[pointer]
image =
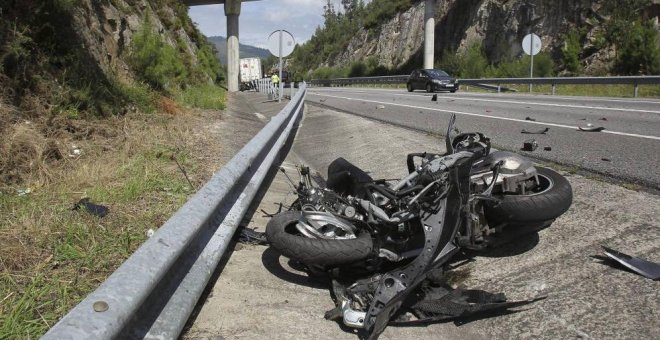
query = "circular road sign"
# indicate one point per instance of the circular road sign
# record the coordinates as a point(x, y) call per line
point(531, 44)
point(288, 43)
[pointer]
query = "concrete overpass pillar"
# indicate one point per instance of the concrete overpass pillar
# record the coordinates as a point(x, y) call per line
point(232, 11)
point(429, 33)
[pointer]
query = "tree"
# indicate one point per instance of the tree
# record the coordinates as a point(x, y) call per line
point(571, 52)
point(639, 52)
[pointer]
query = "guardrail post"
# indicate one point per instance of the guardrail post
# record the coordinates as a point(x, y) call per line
point(554, 88)
point(291, 85)
point(499, 89)
point(636, 90)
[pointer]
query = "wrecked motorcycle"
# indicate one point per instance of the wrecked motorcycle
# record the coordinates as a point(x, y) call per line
point(386, 245)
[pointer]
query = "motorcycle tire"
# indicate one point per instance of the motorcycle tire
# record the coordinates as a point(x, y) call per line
point(282, 235)
point(552, 201)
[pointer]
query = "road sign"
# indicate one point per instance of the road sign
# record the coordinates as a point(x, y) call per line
point(288, 43)
point(531, 44)
point(281, 44)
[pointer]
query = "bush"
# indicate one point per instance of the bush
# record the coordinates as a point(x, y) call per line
point(154, 60)
point(639, 51)
point(203, 97)
point(571, 52)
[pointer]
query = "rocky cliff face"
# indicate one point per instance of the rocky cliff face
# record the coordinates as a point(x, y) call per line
point(67, 49)
point(105, 30)
point(499, 25)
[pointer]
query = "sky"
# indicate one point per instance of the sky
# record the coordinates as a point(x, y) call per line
point(259, 18)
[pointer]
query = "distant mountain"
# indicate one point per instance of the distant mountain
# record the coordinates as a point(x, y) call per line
point(246, 51)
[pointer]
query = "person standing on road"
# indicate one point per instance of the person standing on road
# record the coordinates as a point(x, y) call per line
point(275, 80)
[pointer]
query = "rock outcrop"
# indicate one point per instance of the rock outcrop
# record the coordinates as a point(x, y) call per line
point(499, 25)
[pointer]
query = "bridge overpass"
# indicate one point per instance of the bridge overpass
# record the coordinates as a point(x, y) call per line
point(232, 11)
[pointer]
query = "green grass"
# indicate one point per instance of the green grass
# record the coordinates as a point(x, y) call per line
point(52, 257)
point(647, 91)
point(203, 97)
point(652, 91)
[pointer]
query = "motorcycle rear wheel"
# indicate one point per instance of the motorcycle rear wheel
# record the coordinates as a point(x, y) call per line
point(549, 201)
point(282, 234)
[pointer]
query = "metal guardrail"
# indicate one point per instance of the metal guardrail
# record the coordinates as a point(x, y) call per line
point(153, 293)
point(554, 81)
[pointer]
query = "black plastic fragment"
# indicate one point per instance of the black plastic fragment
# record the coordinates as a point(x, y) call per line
point(530, 145)
point(648, 269)
point(252, 236)
point(94, 209)
point(535, 132)
point(433, 303)
point(530, 119)
point(434, 98)
point(547, 148)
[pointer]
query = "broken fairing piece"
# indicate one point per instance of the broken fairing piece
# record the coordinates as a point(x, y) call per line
point(537, 132)
point(645, 268)
point(591, 129)
point(94, 209)
point(530, 119)
point(434, 303)
point(434, 98)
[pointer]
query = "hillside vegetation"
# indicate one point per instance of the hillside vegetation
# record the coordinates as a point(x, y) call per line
point(617, 37)
point(96, 101)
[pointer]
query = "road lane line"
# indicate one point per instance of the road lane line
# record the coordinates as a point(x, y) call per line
point(522, 95)
point(487, 116)
point(533, 103)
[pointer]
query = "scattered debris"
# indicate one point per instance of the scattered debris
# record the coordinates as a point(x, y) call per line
point(648, 269)
point(380, 106)
point(530, 119)
point(252, 236)
point(75, 152)
point(94, 209)
point(530, 145)
point(23, 192)
point(605, 159)
point(547, 148)
point(150, 232)
point(322, 100)
point(279, 210)
point(591, 129)
point(603, 118)
point(434, 98)
point(489, 111)
point(535, 132)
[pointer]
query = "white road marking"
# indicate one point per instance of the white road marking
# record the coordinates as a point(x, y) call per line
point(487, 116)
point(522, 95)
point(455, 97)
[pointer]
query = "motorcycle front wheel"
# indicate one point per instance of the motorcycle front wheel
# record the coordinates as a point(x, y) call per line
point(282, 235)
point(552, 197)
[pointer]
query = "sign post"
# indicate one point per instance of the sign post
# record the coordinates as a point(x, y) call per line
point(532, 46)
point(281, 45)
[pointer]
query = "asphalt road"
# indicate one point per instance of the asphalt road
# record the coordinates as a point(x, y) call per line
point(259, 294)
point(628, 149)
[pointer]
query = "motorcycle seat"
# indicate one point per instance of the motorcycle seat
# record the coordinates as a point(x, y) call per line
point(345, 178)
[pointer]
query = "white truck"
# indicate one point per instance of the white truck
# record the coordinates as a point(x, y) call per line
point(250, 69)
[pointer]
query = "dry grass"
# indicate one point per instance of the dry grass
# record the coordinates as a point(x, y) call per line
point(52, 256)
